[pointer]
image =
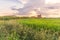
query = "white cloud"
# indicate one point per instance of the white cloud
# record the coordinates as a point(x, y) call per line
point(31, 5)
point(23, 1)
point(52, 1)
point(5, 6)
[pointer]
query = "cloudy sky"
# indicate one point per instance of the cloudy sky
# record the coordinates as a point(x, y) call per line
point(28, 6)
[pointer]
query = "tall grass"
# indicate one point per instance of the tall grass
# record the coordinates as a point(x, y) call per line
point(49, 28)
point(30, 29)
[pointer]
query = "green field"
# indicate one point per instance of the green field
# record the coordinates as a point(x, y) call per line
point(41, 23)
point(30, 29)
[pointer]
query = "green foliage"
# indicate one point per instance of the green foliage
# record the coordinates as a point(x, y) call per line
point(8, 17)
point(49, 28)
point(30, 29)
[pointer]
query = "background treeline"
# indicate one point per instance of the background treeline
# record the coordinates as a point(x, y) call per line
point(8, 17)
point(13, 17)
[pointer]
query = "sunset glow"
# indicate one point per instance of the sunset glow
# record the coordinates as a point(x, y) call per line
point(25, 6)
point(52, 1)
point(33, 13)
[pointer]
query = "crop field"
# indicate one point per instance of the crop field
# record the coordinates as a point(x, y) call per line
point(30, 29)
point(41, 23)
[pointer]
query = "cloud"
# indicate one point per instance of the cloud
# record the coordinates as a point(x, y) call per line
point(5, 6)
point(23, 1)
point(53, 6)
point(30, 5)
point(52, 10)
point(52, 1)
point(8, 3)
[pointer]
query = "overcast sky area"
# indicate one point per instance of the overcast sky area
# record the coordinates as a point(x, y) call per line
point(48, 8)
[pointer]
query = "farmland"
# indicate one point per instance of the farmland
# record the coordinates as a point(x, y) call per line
point(30, 29)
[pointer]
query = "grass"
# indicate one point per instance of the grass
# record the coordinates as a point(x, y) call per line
point(30, 29)
point(44, 23)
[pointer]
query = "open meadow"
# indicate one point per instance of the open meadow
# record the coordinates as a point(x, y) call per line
point(30, 29)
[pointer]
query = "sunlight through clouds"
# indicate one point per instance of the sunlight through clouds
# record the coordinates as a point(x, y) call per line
point(25, 6)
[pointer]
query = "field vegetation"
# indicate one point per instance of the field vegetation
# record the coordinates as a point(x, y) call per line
point(16, 28)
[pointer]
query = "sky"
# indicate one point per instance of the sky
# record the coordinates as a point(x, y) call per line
point(52, 1)
point(5, 6)
point(27, 7)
